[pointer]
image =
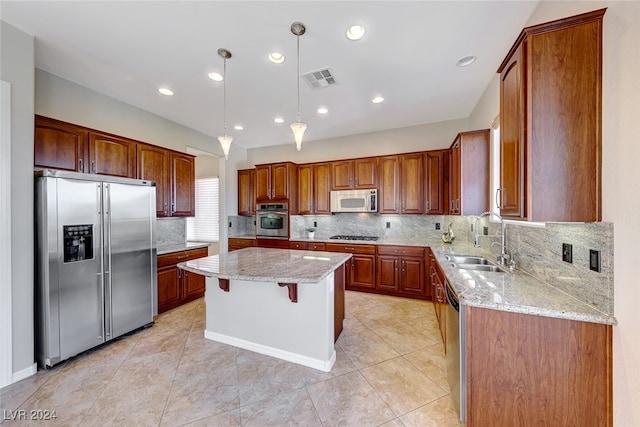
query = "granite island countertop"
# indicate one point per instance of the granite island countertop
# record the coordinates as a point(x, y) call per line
point(268, 265)
point(517, 291)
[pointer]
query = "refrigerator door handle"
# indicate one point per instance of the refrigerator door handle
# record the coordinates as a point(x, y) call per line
point(101, 308)
point(107, 270)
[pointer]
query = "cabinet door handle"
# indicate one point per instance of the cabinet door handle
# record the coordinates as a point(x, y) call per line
point(179, 274)
point(183, 256)
point(80, 165)
point(356, 181)
point(498, 197)
point(428, 205)
point(93, 166)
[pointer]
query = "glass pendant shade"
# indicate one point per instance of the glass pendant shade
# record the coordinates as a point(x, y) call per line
point(225, 142)
point(298, 129)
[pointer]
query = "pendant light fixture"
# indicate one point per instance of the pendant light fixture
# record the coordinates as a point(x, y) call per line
point(225, 140)
point(298, 128)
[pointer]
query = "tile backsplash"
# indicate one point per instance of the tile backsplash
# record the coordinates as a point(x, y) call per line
point(171, 231)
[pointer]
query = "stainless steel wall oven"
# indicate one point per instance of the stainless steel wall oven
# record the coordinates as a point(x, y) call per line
point(272, 220)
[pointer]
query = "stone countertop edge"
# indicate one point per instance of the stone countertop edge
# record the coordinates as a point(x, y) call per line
point(268, 265)
point(179, 247)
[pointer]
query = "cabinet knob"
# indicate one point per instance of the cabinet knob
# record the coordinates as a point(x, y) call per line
point(80, 165)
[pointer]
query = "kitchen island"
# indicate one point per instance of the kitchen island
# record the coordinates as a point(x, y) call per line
point(278, 302)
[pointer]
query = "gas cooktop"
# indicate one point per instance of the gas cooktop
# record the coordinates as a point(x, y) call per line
point(347, 237)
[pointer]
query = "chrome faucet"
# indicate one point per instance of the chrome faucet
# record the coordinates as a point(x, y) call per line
point(504, 253)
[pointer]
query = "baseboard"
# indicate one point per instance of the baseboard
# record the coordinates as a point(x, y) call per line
point(322, 365)
point(25, 373)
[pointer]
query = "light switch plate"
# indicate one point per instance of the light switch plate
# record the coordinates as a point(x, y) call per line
point(594, 260)
point(567, 252)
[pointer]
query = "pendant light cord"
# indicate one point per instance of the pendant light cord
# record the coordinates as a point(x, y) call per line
point(298, 76)
point(224, 96)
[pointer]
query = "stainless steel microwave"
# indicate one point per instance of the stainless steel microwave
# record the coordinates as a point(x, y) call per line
point(354, 201)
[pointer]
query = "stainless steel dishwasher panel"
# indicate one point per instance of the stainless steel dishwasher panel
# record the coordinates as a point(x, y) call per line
point(456, 351)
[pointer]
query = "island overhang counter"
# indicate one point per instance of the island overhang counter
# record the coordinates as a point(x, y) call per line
point(279, 302)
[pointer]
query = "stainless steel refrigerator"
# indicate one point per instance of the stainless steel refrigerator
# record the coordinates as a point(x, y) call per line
point(96, 261)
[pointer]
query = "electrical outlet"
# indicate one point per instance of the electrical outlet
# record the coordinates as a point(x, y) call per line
point(472, 227)
point(485, 231)
point(567, 252)
point(315, 224)
point(229, 224)
point(594, 260)
point(437, 226)
point(388, 224)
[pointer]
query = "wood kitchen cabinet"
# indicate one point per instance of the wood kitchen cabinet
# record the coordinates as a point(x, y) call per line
point(246, 192)
point(361, 268)
point(354, 174)
point(176, 286)
point(236, 243)
point(183, 184)
point(112, 155)
point(314, 188)
point(153, 165)
point(469, 173)
point(400, 270)
point(401, 184)
point(278, 181)
point(551, 114)
point(435, 183)
point(536, 370)
point(309, 246)
point(60, 145)
point(438, 295)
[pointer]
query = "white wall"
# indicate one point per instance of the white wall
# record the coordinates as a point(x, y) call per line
point(620, 177)
point(415, 138)
point(17, 68)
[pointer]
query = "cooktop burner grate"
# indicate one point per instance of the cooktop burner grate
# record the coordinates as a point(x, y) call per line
point(347, 237)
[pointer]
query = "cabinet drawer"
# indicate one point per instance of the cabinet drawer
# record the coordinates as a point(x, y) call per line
point(240, 243)
point(176, 257)
point(297, 245)
point(316, 246)
point(353, 249)
point(401, 250)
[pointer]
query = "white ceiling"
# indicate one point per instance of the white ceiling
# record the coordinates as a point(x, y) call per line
point(126, 50)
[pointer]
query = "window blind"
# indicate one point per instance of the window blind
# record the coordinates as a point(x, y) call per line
point(205, 225)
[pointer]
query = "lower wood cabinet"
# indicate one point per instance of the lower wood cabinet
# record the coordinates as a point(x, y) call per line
point(176, 286)
point(236, 243)
point(438, 295)
point(534, 370)
point(401, 270)
point(309, 246)
point(361, 268)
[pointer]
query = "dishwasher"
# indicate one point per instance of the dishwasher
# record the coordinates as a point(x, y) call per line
point(456, 351)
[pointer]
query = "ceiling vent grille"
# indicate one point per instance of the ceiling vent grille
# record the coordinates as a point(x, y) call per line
point(319, 79)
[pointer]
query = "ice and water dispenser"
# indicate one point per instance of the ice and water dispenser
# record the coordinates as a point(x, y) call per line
point(78, 242)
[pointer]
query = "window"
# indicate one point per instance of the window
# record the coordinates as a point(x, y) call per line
point(495, 165)
point(204, 227)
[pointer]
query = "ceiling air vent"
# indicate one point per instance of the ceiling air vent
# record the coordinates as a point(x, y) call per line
point(319, 79)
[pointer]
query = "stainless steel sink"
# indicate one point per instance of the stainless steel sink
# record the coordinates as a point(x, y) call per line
point(466, 259)
point(480, 267)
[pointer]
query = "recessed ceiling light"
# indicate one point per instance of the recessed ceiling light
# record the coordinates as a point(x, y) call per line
point(216, 77)
point(276, 57)
point(238, 127)
point(467, 60)
point(278, 119)
point(165, 91)
point(322, 110)
point(377, 100)
point(355, 32)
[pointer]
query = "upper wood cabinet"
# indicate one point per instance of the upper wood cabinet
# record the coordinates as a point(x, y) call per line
point(246, 192)
point(277, 181)
point(355, 174)
point(314, 188)
point(112, 155)
point(550, 130)
point(60, 145)
point(153, 165)
point(183, 189)
point(469, 173)
point(435, 189)
point(401, 184)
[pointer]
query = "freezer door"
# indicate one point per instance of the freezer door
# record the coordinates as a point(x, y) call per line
point(130, 270)
point(79, 265)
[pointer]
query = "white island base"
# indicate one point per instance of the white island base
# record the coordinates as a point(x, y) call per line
point(261, 317)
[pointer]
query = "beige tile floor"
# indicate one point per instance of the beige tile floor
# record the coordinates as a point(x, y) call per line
point(390, 371)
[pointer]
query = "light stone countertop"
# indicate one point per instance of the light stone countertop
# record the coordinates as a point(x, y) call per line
point(517, 292)
point(269, 265)
point(167, 249)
